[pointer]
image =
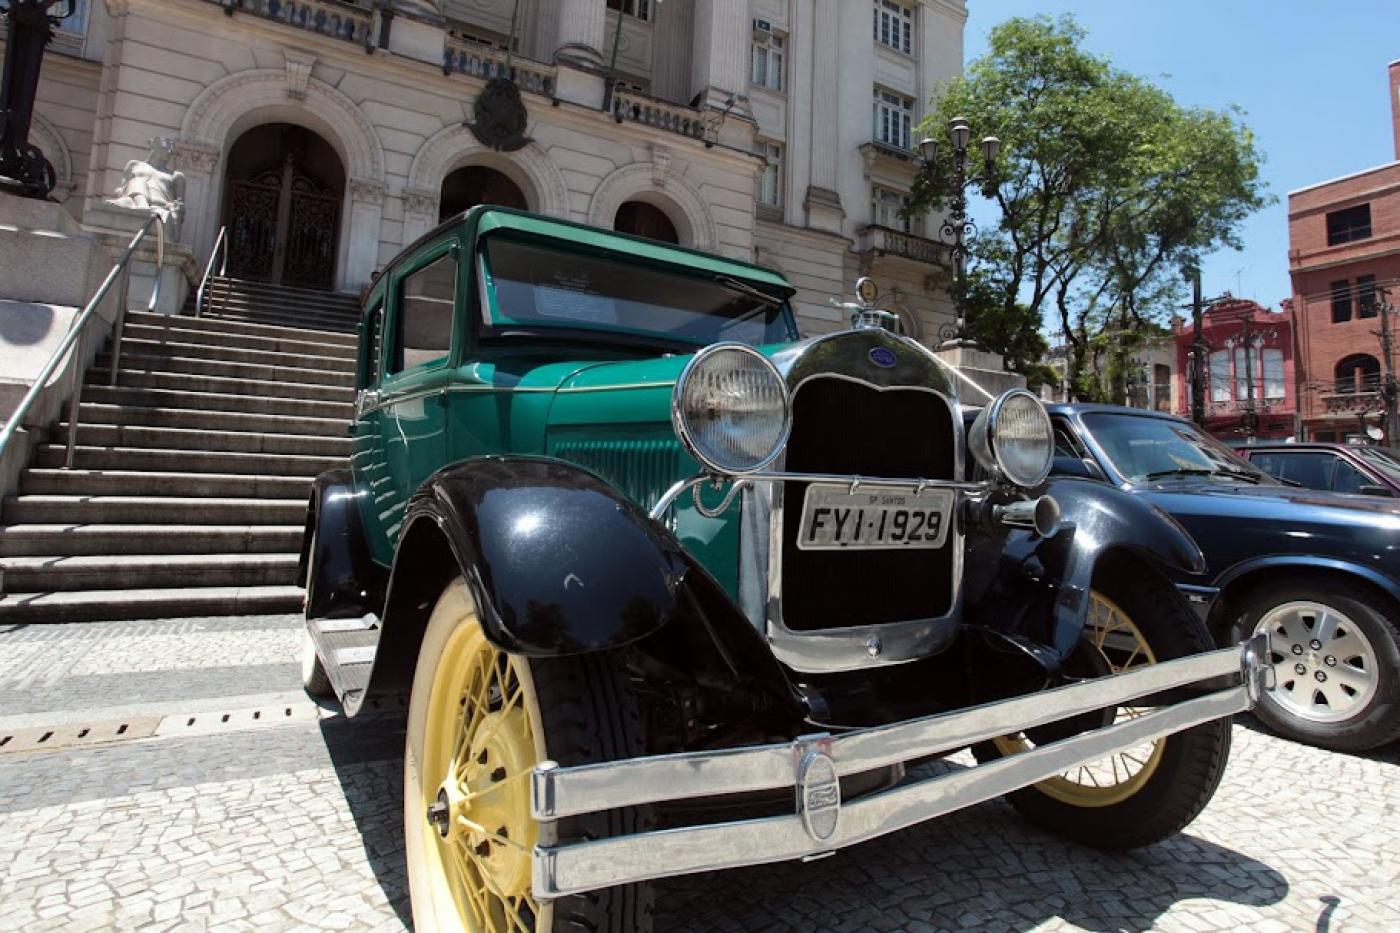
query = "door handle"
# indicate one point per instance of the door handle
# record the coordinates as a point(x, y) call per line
point(365, 399)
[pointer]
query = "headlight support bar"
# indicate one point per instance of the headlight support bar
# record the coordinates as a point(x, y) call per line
point(677, 489)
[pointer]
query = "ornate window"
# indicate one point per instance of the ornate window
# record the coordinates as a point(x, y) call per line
point(766, 57)
point(894, 25)
point(894, 114)
point(769, 187)
point(889, 208)
point(1358, 373)
point(1273, 375)
point(1220, 376)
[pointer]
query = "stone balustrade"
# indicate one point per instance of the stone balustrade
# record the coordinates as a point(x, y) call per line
point(887, 241)
point(673, 118)
point(351, 22)
point(479, 61)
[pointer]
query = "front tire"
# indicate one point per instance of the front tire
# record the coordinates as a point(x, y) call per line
point(1336, 663)
point(479, 720)
point(1140, 795)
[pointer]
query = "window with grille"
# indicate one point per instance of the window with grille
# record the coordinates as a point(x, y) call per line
point(1273, 374)
point(641, 9)
point(766, 59)
point(890, 208)
point(1351, 223)
point(1359, 372)
point(1341, 301)
point(894, 26)
point(1161, 387)
point(769, 186)
point(894, 114)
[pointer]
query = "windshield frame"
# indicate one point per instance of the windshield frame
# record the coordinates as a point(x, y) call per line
point(1089, 433)
point(493, 324)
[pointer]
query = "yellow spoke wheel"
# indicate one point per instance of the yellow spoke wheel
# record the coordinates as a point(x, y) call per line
point(1114, 779)
point(475, 735)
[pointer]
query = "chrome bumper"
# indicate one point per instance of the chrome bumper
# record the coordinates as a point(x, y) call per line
point(812, 765)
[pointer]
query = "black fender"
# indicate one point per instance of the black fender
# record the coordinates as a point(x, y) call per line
point(341, 579)
point(1037, 588)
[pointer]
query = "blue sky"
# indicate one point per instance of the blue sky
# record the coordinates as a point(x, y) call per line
point(1310, 76)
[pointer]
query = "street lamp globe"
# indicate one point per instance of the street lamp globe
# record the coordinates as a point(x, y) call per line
point(991, 147)
point(928, 149)
point(959, 133)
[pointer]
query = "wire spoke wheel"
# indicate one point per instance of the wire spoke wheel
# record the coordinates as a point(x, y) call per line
point(1114, 779)
point(481, 739)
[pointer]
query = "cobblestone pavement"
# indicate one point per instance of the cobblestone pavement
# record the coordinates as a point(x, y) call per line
point(295, 824)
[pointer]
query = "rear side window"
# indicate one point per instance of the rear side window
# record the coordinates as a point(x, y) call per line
point(426, 300)
point(370, 345)
point(1348, 478)
point(1312, 469)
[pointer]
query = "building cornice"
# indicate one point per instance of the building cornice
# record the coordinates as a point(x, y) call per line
point(1333, 181)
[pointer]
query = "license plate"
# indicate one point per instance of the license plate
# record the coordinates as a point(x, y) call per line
point(873, 517)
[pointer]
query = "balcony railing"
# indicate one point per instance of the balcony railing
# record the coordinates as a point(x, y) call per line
point(887, 241)
point(1366, 400)
point(663, 115)
point(351, 22)
point(479, 61)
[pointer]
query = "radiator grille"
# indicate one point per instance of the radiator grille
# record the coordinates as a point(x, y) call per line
point(840, 426)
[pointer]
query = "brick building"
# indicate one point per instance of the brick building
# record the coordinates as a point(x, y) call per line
point(1343, 254)
point(1250, 368)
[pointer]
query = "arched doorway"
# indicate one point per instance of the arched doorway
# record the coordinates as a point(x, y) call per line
point(477, 184)
point(648, 220)
point(282, 198)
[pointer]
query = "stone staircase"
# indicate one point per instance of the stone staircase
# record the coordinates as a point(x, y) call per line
point(191, 476)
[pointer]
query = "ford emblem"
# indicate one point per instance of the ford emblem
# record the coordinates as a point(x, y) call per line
point(819, 795)
point(883, 357)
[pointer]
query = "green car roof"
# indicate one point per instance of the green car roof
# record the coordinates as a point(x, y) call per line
point(483, 220)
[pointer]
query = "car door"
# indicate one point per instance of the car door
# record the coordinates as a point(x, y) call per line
point(369, 465)
point(418, 345)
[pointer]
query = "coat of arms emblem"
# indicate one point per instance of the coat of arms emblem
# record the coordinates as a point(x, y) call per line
point(500, 116)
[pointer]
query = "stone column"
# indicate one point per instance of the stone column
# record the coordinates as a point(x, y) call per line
point(720, 54)
point(200, 162)
point(420, 210)
point(823, 201)
point(360, 251)
point(580, 37)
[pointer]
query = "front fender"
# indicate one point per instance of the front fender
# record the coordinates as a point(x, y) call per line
point(559, 562)
point(1037, 588)
point(342, 581)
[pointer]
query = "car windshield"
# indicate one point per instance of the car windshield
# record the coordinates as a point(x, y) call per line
point(1382, 459)
point(534, 285)
point(1155, 448)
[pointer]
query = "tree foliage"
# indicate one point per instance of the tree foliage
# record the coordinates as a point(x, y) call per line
point(1106, 187)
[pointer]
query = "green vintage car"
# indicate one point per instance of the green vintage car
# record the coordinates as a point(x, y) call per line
point(673, 590)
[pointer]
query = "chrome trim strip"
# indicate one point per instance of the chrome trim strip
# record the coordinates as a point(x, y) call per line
point(585, 866)
point(586, 788)
point(674, 492)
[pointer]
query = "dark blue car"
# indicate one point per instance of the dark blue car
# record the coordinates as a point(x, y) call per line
point(1319, 571)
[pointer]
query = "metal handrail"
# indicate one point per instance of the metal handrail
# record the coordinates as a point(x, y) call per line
point(220, 246)
point(77, 334)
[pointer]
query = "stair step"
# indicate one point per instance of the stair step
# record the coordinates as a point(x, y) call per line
point(340, 412)
point(101, 413)
point(184, 510)
point(142, 347)
point(139, 363)
point(186, 439)
point(105, 605)
point(38, 482)
point(273, 317)
point(188, 330)
point(234, 283)
point(65, 539)
point(233, 327)
point(187, 382)
point(188, 461)
point(144, 571)
point(219, 298)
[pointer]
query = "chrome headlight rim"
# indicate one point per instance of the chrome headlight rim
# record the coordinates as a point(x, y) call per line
point(683, 431)
point(983, 443)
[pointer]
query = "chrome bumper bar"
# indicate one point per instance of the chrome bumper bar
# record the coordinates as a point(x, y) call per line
point(812, 765)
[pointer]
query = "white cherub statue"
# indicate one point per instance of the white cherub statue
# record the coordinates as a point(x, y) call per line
point(147, 185)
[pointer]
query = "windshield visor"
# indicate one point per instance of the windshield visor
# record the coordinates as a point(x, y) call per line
point(1140, 448)
point(539, 286)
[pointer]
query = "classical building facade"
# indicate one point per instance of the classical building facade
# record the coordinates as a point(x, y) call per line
point(324, 136)
point(1344, 258)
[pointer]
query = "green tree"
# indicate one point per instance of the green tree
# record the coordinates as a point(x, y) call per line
point(1105, 187)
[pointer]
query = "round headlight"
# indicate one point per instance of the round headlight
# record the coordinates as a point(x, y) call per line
point(731, 408)
point(1013, 437)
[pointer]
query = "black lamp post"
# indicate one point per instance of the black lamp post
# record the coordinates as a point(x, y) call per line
point(29, 26)
point(957, 227)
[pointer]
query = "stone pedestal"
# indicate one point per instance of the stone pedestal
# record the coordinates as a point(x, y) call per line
point(983, 374)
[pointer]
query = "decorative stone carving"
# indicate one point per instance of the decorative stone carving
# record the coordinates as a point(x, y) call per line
point(149, 185)
point(298, 73)
point(660, 164)
point(500, 116)
point(195, 158)
point(420, 201)
point(367, 190)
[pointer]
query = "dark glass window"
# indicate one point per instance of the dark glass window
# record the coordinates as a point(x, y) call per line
point(1359, 372)
point(1309, 468)
point(426, 300)
point(1347, 478)
point(1341, 301)
point(374, 334)
point(1351, 223)
point(1366, 296)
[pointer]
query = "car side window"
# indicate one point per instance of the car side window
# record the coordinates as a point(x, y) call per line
point(423, 329)
point(1064, 447)
point(370, 346)
point(1312, 469)
point(1347, 478)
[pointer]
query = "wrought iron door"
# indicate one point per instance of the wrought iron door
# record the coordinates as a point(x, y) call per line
point(282, 228)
